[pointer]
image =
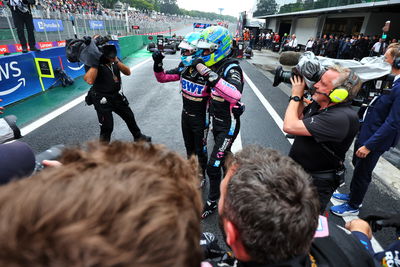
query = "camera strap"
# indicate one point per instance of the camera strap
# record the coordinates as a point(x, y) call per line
point(330, 151)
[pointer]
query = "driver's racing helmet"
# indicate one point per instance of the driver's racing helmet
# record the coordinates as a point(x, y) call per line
point(189, 43)
point(218, 40)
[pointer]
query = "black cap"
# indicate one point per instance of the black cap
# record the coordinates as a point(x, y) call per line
point(17, 160)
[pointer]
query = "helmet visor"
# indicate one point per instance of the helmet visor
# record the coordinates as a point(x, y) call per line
point(206, 45)
point(185, 45)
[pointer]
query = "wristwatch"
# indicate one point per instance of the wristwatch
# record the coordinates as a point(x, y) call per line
point(295, 98)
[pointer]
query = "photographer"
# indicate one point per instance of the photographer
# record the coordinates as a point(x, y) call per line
point(379, 132)
point(324, 129)
point(104, 73)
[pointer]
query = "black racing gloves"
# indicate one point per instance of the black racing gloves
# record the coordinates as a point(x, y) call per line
point(158, 58)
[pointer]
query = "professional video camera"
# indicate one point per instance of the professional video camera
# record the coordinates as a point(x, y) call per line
point(89, 50)
point(373, 71)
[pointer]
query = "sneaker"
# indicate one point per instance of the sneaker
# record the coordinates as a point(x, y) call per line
point(25, 50)
point(144, 138)
point(344, 210)
point(342, 198)
point(209, 208)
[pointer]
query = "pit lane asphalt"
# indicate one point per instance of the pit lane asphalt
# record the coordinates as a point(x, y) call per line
point(157, 108)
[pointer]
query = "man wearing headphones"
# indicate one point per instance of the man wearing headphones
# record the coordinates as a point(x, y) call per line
point(324, 129)
point(379, 132)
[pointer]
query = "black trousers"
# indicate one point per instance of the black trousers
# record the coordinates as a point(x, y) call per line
point(362, 175)
point(22, 20)
point(104, 113)
point(195, 132)
point(225, 132)
point(326, 183)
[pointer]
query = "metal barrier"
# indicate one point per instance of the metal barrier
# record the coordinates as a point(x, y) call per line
point(119, 24)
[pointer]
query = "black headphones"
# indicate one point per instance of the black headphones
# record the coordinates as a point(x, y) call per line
point(396, 61)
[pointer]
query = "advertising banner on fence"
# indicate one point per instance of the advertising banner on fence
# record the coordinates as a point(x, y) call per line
point(201, 25)
point(48, 25)
point(96, 24)
point(18, 78)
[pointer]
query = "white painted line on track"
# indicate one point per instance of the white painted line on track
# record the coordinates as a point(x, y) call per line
point(275, 116)
point(140, 64)
point(54, 114)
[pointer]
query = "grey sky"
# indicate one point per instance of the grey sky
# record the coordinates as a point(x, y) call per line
point(231, 7)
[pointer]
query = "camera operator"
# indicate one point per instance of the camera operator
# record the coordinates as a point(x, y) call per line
point(325, 128)
point(104, 74)
point(379, 132)
point(269, 217)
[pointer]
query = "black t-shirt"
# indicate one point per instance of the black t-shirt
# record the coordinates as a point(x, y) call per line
point(108, 80)
point(335, 126)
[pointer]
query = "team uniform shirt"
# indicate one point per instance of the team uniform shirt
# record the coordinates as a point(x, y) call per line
point(335, 126)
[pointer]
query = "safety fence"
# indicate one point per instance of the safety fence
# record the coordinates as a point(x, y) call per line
point(53, 27)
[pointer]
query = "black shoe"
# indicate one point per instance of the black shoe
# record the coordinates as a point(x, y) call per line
point(144, 138)
point(25, 50)
point(209, 208)
point(34, 49)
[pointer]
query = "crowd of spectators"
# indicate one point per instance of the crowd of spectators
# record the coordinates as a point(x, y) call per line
point(72, 6)
point(153, 17)
point(349, 47)
point(332, 46)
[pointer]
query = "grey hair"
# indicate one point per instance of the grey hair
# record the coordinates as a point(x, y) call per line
point(343, 80)
point(273, 204)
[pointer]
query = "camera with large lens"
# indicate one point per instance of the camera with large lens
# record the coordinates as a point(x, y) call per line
point(308, 66)
point(88, 48)
point(373, 71)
